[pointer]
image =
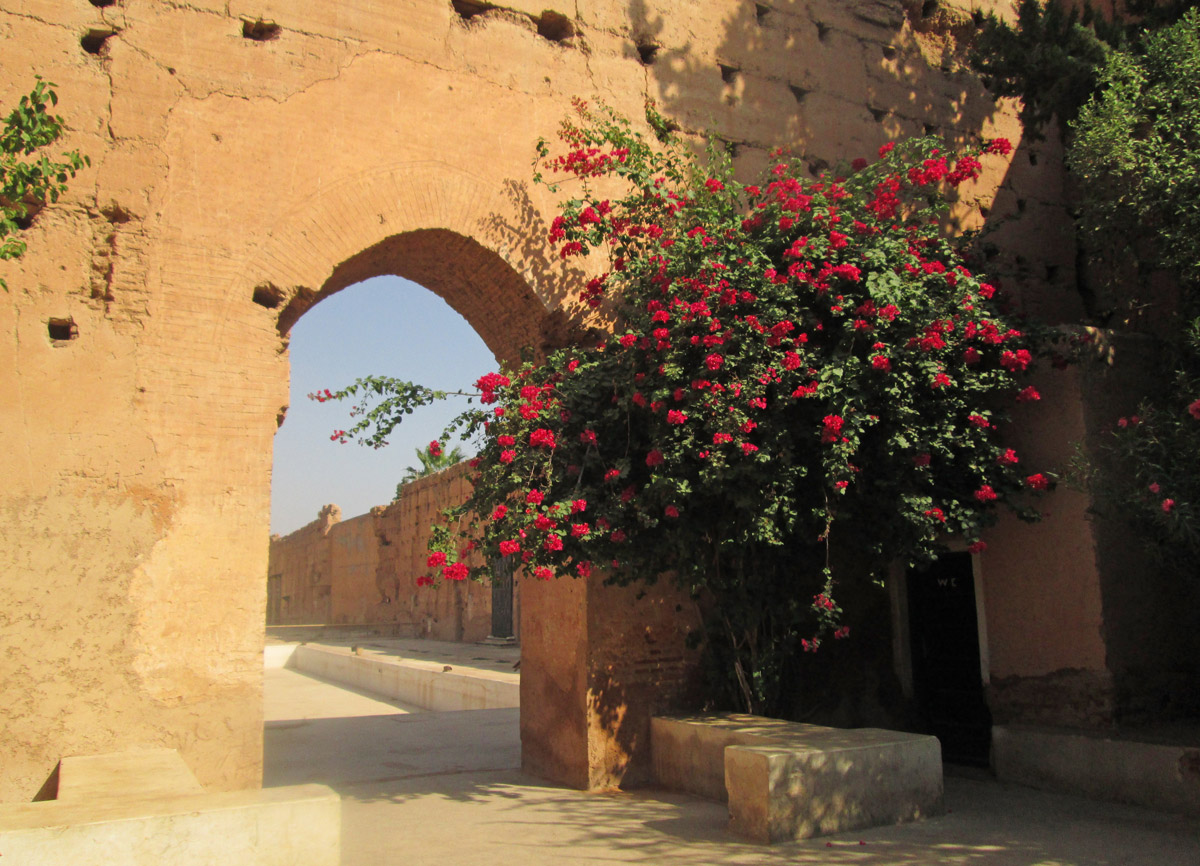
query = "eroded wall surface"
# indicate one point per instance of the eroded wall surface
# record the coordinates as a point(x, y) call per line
point(249, 157)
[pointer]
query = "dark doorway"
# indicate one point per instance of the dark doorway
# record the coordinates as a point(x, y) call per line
point(502, 598)
point(947, 680)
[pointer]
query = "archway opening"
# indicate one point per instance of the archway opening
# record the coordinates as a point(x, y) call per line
point(344, 603)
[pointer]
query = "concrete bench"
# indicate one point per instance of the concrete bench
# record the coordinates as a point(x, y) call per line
point(785, 780)
point(145, 808)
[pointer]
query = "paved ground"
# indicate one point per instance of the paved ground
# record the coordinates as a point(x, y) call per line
point(444, 788)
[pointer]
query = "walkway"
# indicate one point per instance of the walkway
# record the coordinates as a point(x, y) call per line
point(445, 789)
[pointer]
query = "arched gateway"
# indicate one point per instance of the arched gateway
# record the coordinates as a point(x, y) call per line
point(248, 157)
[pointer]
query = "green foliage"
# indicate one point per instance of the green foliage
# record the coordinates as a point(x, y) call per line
point(1052, 57)
point(432, 459)
point(1136, 152)
point(803, 386)
point(28, 179)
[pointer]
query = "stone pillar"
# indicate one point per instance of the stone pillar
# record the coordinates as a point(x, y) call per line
point(596, 663)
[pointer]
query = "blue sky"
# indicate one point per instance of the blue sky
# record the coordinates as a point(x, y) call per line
point(384, 326)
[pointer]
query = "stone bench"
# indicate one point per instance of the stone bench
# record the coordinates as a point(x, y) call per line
point(145, 808)
point(785, 780)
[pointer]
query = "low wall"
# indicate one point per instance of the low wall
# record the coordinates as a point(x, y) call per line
point(363, 571)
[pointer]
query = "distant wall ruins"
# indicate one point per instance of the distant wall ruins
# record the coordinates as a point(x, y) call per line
point(363, 571)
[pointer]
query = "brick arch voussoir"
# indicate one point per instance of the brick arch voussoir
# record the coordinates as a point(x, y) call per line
point(478, 243)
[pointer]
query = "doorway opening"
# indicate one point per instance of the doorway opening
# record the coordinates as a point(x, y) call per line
point(947, 668)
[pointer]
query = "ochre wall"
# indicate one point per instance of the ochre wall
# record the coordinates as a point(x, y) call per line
point(235, 182)
point(363, 571)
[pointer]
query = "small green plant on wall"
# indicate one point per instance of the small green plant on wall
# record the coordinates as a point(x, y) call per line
point(29, 178)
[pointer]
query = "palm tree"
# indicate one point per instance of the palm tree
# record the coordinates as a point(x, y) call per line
point(430, 463)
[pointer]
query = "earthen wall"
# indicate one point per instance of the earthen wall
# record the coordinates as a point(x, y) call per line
point(250, 158)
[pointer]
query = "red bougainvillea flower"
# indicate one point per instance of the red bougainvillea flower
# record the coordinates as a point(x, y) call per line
point(979, 421)
point(985, 493)
point(977, 547)
point(675, 417)
point(936, 514)
point(510, 547)
point(1008, 457)
point(424, 580)
point(882, 362)
point(435, 559)
point(506, 441)
point(843, 632)
point(1194, 410)
point(1016, 361)
point(553, 543)
point(832, 428)
point(1038, 482)
point(1001, 146)
point(671, 511)
point(543, 573)
point(588, 437)
point(534, 497)
point(499, 512)
point(579, 530)
point(612, 475)
point(714, 362)
point(1030, 394)
point(455, 571)
point(922, 459)
point(584, 568)
point(1167, 505)
point(654, 458)
point(508, 456)
point(541, 438)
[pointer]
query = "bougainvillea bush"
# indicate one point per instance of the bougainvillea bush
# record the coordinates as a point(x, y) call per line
point(800, 369)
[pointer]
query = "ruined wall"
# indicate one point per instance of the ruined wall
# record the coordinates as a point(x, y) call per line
point(364, 571)
point(252, 156)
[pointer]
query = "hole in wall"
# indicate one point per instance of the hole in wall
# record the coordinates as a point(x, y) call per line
point(761, 11)
point(259, 30)
point(647, 53)
point(61, 330)
point(468, 9)
point(1051, 273)
point(798, 93)
point(929, 7)
point(1020, 205)
point(878, 113)
point(116, 214)
point(268, 295)
point(25, 221)
point(555, 26)
point(930, 128)
point(102, 4)
point(93, 41)
point(822, 31)
point(280, 416)
point(816, 165)
point(1032, 158)
point(889, 52)
point(729, 74)
point(984, 211)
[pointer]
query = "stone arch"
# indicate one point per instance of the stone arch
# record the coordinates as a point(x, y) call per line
point(477, 244)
